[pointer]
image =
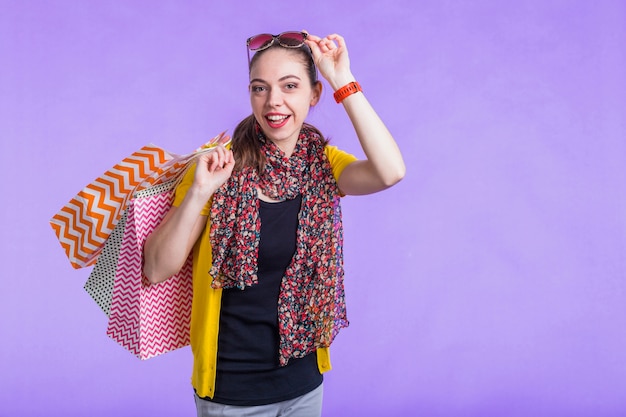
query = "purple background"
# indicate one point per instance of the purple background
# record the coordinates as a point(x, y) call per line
point(490, 282)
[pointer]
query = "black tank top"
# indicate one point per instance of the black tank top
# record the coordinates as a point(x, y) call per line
point(248, 372)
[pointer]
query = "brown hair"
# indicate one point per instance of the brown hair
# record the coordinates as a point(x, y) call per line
point(245, 143)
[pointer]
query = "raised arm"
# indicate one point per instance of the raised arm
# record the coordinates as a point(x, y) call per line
point(167, 248)
point(384, 165)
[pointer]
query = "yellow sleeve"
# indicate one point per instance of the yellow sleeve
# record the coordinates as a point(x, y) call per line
point(183, 187)
point(339, 160)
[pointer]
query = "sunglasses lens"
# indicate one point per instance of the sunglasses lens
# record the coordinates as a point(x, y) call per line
point(259, 41)
point(291, 39)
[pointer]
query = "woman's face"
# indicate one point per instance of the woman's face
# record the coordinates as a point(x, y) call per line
point(281, 95)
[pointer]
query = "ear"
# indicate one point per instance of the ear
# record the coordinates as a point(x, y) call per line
point(317, 93)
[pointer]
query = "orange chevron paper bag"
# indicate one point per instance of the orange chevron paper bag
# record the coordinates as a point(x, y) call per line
point(86, 221)
point(148, 319)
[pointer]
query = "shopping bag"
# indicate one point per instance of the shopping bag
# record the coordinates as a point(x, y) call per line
point(99, 285)
point(86, 221)
point(148, 319)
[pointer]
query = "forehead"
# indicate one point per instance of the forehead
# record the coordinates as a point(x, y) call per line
point(278, 62)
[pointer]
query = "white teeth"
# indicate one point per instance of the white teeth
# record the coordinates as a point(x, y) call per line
point(276, 118)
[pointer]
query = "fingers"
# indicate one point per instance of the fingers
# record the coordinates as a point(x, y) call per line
point(312, 42)
point(229, 160)
point(339, 39)
point(217, 159)
point(328, 43)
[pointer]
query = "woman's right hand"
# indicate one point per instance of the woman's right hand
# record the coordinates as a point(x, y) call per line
point(212, 170)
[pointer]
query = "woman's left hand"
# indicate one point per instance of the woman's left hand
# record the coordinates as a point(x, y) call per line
point(331, 58)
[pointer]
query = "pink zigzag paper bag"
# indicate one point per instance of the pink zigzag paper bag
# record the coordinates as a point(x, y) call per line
point(84, 224)
point(148, 319)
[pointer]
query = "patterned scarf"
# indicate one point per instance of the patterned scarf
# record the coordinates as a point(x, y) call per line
point(311, 304)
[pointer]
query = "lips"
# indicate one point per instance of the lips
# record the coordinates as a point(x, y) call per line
point(276, 120)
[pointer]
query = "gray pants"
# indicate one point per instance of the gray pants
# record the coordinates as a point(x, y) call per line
point(307, 405)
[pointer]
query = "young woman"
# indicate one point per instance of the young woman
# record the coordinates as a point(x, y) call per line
point(264, 225)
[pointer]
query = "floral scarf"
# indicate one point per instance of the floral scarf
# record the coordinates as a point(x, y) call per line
point(311, 304)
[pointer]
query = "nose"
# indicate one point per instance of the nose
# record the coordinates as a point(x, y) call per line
point(274, 97)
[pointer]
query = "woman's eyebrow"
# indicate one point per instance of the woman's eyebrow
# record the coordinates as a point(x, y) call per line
point(286, 77)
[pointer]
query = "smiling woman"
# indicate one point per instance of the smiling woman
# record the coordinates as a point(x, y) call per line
point(264, 223)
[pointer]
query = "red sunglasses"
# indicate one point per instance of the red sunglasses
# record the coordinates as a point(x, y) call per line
point(265, 40)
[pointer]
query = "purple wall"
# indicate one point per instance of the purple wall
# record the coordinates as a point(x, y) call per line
point(490, 282)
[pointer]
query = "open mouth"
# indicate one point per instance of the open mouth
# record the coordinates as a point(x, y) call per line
point(276, 120)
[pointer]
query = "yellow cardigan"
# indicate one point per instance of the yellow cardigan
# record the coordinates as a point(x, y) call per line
point(206, 304)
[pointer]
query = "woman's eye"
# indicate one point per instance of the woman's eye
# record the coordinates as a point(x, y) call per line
point(291, 86)
point(257, 89)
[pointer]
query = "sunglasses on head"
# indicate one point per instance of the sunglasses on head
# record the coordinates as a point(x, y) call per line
point(265, 40)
